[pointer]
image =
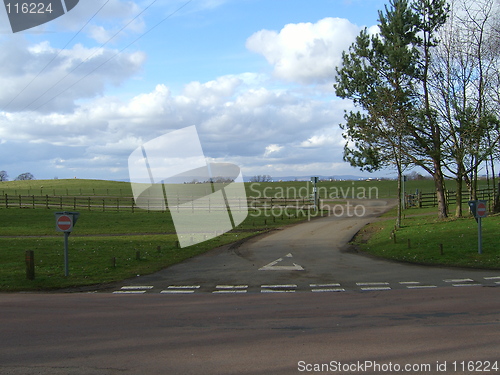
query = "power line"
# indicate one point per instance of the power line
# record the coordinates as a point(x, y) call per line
point(84, 61)
point(55, 57)
point(112, 57)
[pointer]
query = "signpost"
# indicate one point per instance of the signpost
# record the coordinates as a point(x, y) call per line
point(478, 208)
point(65, 221)
point(315, 191)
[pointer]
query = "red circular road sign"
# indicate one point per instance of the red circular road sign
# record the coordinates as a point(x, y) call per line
point(64, 222)
point(481, 209)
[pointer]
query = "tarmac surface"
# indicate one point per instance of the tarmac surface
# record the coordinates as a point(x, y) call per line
point(311, 256)
point(241, 311)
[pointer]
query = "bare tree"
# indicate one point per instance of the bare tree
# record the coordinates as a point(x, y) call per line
point(4, 176)
point(25, 176)
point(463, 73)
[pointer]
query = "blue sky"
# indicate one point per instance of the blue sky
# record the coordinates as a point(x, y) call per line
point(254, 76)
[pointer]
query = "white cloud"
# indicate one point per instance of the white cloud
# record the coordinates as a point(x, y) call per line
point(238, 121)
point(73, 74)
point(272, 149)
point(305, 52)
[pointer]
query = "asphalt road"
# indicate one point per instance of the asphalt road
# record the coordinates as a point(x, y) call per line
point(98, 334)
point(310, 256)
point(241, 311)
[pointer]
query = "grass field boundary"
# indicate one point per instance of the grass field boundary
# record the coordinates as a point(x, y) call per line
point(117, 203)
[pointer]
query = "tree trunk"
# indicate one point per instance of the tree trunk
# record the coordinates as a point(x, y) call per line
point(399, 220)
point(497, 201)
point(458, 197)
point(440, 191)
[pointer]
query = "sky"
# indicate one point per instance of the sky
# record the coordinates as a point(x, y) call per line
point(80, 93)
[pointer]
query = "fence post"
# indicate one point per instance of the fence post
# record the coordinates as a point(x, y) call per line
point(30, 264)
point(133, 205)
point(6, 201)
point(33, 198)
point(47, 201)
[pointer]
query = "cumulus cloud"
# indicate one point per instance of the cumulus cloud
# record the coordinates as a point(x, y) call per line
point(238, 121)
point(305, 52)
point(75, 73)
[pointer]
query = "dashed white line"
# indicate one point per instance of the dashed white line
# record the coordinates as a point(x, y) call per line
point(409, 282)
point(137, 287)
point(129, 292)
point(226, 289)
point(457, 280)
point(180, 289)
point(278, 288)
point(183, 287)
point(231, 287)
point(492, 278)
point(177, 291)
point(328, 290)
point(323, 285)
point(467, 284)
point(372, 284)
point(421, 286)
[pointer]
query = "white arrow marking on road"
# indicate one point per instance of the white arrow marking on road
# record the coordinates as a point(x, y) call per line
point(273, 267)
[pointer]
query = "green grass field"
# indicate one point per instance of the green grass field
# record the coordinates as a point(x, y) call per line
point(99, 237)
point(76, 187)
point(426, 233)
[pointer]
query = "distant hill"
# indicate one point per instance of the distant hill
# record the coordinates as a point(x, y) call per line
point(321, 177)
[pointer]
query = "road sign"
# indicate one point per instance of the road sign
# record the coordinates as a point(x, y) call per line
point(481, 209)
point(478, 208)
point(64, 223)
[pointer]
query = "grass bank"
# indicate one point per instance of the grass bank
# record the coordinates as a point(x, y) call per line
point(103, 246)
point(422, 237)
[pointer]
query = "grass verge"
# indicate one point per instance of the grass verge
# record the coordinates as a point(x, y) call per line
point(426, 234)
point(98, 237)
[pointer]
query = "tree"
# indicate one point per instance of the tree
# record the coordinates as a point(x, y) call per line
point(25, 176)
point(388, 76)
point(4, 176)
point(463, 91)
point(261, 178)
point(377, 74)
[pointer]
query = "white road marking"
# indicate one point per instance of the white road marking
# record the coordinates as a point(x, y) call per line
point(420, 286)
point(457, 280)
point(328, 290)
point(231, 286)
point(273, 267)
point(129, 292)
point(277, 291)
point(467, 284)
point(492, 278)
point(367, 284)
point(323, 285)
point(279, 286)
point(183, 287)
point(178, 291)
point(136, 287)
point(409, 282)
point(227, 291)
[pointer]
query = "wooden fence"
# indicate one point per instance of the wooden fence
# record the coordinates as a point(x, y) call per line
point(430, 199)
point(128, 204)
